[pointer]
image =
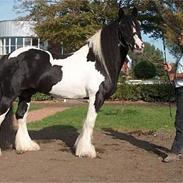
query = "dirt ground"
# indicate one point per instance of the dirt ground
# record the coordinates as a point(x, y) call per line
point(123, 156)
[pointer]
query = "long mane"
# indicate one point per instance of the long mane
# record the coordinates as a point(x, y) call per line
point(95, 44)
point(105, 45)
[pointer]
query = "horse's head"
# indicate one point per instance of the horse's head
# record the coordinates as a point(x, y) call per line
point(129, 31)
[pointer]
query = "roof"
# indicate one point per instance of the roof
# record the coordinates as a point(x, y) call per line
point(13, 28)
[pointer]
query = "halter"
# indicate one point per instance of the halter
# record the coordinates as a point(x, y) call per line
point(125, 44)
point(135, 33)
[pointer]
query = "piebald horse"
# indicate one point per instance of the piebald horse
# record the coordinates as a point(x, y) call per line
point(92, 72)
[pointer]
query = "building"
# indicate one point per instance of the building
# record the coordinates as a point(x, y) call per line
point(15, 34)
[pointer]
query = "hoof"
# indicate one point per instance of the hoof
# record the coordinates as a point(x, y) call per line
point(84, 148)
point(31, 146)
point(88, 152)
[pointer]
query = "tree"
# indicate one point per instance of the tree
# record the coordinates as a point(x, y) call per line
point(152, 55)
point(145, 70)
point(161, 19)
point(70, 22)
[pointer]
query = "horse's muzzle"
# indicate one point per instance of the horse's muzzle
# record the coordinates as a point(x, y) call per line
point(139, 49)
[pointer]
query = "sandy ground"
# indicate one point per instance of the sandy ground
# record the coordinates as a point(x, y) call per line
point(123, 156)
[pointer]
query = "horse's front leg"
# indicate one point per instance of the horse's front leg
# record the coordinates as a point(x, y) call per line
point(23, 142)
point(83, 144)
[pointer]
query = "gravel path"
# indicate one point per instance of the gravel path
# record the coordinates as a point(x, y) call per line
point(43, 113)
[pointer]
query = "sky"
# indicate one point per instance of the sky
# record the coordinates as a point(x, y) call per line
point(6, 10)
point(8, 13)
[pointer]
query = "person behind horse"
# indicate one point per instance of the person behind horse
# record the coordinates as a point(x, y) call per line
point(175, 73)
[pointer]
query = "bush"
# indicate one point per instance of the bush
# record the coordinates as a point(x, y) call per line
point(144, 70)
point(41, 97)
point(148, 93)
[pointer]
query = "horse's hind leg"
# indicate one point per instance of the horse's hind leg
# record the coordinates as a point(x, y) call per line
point(5, 109)
point(5, 104)
point(83, 144)
point(23, 141)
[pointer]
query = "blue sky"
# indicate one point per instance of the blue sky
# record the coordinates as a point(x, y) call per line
point(159, 44)
point(6, 10)
point(8, 13)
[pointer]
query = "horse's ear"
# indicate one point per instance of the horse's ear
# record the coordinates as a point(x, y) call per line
point(134, 12)
point(121, 14)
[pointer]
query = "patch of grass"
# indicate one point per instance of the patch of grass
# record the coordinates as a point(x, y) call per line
point(32, 107)
point(114, 116)
point(135, 117)
point(70, 117)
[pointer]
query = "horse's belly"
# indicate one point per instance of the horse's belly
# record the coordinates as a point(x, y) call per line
point(69, 90)
point(78, 79)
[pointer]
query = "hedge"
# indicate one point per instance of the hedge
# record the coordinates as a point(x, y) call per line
point(145, 92)
point(41, 97)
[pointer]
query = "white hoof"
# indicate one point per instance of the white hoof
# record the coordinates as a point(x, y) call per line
point(30, 146)
point(83, 152)
point(84, 149)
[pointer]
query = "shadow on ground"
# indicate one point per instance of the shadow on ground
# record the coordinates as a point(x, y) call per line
point(145, 145)
point(67, 134)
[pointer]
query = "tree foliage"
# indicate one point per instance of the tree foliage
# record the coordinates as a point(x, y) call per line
point(161, 19)
point(151, 55)
point(72, 22)
point(145, 70)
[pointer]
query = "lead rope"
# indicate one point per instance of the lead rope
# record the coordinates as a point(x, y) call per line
point(170, 83)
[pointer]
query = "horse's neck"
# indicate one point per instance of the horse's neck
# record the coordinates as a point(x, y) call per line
point(114, 55)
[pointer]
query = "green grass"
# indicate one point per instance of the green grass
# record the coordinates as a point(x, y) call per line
point(32, 107)
point(152, 117)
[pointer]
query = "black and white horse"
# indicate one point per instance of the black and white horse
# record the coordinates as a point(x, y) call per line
point(92, 72)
